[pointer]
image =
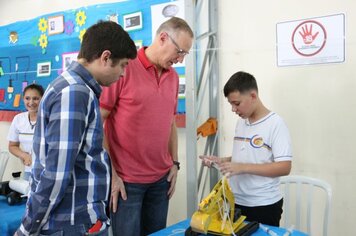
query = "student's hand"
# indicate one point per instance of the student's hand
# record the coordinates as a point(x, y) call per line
point(209, 160)
point(229, 169)
point(117, 188)
point(172, 178)
point(27, 160)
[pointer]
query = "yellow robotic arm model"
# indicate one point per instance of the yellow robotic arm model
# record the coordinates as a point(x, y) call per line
point(216, 213)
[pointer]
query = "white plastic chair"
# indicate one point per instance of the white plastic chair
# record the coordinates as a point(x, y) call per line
point(4, 157)
point(305, 194)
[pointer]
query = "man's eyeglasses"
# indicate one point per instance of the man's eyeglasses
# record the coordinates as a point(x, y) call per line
point(180, 51)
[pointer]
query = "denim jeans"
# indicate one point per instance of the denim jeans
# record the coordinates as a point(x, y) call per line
point(144, 211)
point(74, 230)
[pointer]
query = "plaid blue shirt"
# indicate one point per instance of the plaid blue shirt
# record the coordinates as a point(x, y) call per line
point(71, 173)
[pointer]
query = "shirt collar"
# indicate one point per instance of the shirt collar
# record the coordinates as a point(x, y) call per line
point(86, 77)
point(144, 60)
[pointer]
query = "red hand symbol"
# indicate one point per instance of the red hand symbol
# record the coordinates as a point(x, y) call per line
point(307, 35)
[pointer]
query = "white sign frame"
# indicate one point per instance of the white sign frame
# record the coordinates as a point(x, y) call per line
point(67, 59)
point(55, 25)
point(316, 40)
point(132, 18)
point(43, 69)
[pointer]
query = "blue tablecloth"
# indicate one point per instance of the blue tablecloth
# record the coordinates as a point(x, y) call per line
point(10, 216)
point(179, 230)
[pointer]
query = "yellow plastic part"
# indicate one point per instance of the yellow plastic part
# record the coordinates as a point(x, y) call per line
point(216, 212)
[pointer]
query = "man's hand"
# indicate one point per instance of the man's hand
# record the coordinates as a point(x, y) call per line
point(117, 188)
point(172, 178)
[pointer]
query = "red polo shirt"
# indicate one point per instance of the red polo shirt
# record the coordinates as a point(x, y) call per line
point(142, 107)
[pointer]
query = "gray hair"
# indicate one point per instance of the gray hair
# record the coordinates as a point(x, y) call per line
point(174, 26)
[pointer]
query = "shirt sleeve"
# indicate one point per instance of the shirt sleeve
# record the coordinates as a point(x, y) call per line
point(282, 144)
point(13, 134)
point(63, 133)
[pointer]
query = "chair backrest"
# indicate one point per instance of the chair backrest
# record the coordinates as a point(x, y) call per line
point(302, 195)
point(4, 157)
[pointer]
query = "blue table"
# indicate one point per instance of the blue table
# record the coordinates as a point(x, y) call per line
point(179, 230)
point(10, 216)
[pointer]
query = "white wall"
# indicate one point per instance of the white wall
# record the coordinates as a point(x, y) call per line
point(317, 102)
point(18, 10)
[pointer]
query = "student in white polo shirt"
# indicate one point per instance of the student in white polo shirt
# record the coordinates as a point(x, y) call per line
point(261, 153)
point(21, 131)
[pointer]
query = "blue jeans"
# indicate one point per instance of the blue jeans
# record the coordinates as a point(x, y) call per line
point(144, 211)
point(74, 230)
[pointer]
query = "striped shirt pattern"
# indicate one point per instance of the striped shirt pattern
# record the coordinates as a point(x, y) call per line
point(71, 173)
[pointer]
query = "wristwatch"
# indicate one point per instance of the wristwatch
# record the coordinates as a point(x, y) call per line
point(177, 163)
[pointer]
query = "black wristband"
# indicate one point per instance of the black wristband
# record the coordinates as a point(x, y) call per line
point(177, 163)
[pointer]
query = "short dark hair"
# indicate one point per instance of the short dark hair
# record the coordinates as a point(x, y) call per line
point(240, 82)
point(107, 35)
point(36, 87)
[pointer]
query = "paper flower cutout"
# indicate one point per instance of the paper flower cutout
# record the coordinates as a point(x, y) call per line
point(81, 34)
point(43, 41)
point(42, 25)
point(80, 18)
point(34, 40)
point(69, 27)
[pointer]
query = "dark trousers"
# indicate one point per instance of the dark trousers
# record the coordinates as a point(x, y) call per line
point(269, 215)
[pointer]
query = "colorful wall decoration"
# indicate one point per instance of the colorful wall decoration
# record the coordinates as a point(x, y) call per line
point(38, 50)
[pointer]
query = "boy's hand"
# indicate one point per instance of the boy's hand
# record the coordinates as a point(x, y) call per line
point(229, 169)
point(209, 160)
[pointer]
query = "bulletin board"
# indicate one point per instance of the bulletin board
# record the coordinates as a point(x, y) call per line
point(40, 49)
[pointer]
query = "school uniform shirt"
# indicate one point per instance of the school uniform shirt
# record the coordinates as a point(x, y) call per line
point(71, 172)
point(21, 131)
point(264, 141)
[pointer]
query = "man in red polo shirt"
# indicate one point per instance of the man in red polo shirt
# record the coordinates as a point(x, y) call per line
point(141, 136)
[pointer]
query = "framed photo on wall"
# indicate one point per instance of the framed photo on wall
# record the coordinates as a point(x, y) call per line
point(133, 21)
point(55, 25)
point(67, 58)
point(44, 69)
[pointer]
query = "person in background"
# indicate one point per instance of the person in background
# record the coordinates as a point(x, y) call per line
point(139, 113)
point(71, 170)
point(22, 127)
point(261, 153)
